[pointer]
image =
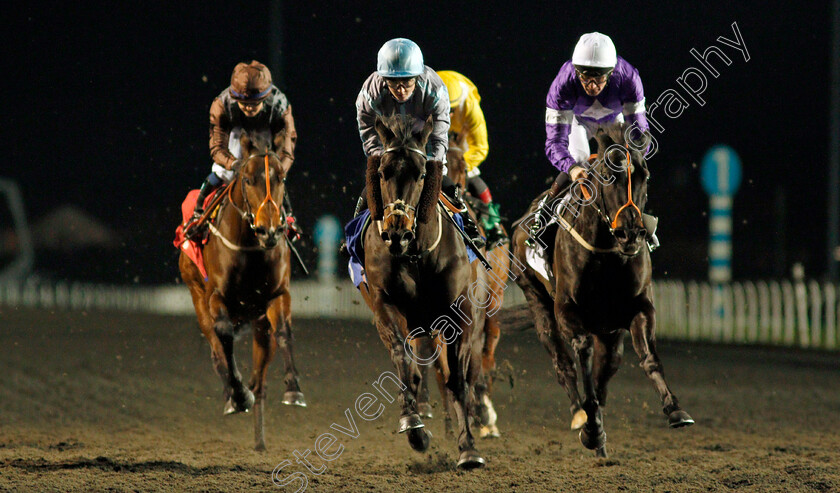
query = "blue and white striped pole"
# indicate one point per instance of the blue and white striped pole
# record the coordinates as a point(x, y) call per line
point(720, 175)
point(720, 238)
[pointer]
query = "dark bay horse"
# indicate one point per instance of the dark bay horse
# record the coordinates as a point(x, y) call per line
point(499, 257)
point(419, 278)
point(601, 285)
point(248, 268)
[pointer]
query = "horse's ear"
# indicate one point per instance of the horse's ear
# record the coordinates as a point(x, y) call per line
point(427, 130)
point(245, 144)
point(385, 133)
point(604, 140)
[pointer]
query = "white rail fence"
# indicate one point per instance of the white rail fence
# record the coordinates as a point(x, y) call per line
point(803, 314)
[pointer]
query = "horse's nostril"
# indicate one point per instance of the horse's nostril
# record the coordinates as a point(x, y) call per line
point(385, 237)
point(620, 234)
point(407, 238)
point(260, 230)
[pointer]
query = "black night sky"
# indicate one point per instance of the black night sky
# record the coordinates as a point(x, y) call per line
point(107, 110)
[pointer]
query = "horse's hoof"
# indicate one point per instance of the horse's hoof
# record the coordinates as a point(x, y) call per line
point(241, 403)
point(578, 419)
point(425, 410)
point(470, 459)
point(419, 439)
point(490, 431)
point(292, 398)
point(679, 418)
point(592, 439)
point(410, 422)
point(260, 447)
point(601, 452)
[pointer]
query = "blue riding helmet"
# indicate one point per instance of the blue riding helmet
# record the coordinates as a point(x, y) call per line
point(399, 58)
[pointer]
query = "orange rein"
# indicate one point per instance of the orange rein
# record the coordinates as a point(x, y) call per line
point(268, 198)
point(614, 223)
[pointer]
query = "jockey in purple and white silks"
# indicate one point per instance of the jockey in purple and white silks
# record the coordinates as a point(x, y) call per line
point(595, 89)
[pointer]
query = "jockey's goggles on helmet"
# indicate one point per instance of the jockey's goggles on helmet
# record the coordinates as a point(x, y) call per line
point(252, 98)
point(593, 76)
point(401, 83)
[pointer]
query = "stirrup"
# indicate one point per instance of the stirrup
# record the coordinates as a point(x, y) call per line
point(537, 226)
point(193, 229)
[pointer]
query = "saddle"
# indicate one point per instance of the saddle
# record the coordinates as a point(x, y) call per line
point(193, 247)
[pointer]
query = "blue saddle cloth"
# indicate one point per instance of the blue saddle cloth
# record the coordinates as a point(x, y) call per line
point(354, 233)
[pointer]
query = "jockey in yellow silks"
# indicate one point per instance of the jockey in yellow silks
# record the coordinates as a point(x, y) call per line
point(468, 130)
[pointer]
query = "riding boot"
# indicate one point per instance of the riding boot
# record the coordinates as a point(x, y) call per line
point(293, 231)
point(491, 222)
point(542, 215)
point(361, 205)
point(192, 229)
point(650, 223)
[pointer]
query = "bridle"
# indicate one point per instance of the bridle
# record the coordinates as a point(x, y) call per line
point(400, 208)
point(245, 211)
point(603, 215)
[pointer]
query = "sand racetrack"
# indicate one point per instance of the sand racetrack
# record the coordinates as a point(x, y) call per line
point(117, 402)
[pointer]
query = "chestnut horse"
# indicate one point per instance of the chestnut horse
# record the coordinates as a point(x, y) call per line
point(248, 269)
point(601, 285)
point(419, 277)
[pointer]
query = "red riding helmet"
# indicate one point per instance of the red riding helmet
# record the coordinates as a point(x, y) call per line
point(250, 82)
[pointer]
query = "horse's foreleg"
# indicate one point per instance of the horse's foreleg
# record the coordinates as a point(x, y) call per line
point(549, 335)
point(264, 347)
point(607, 359)
point(206, 324)
point(642, 329)
point(280, 314)
point(391, 327)
point(441, 376)
point(485, 411)
point(240, 398)
point(425, 349)
point(464, 360)
point(592, 434)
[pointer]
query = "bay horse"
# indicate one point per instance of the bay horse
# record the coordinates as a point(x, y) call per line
point(601, 285)
point(418, 276)
point(248, 268)
point(499, 257)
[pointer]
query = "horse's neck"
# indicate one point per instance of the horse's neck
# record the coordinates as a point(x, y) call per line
point(588, 222)
point(231, 222)
point(428, 235)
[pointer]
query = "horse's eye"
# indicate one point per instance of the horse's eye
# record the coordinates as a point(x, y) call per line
point(423, 176)
point(247, 181)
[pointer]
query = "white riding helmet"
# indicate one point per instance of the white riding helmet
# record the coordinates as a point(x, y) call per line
point(399, 58)
point(594, 51)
